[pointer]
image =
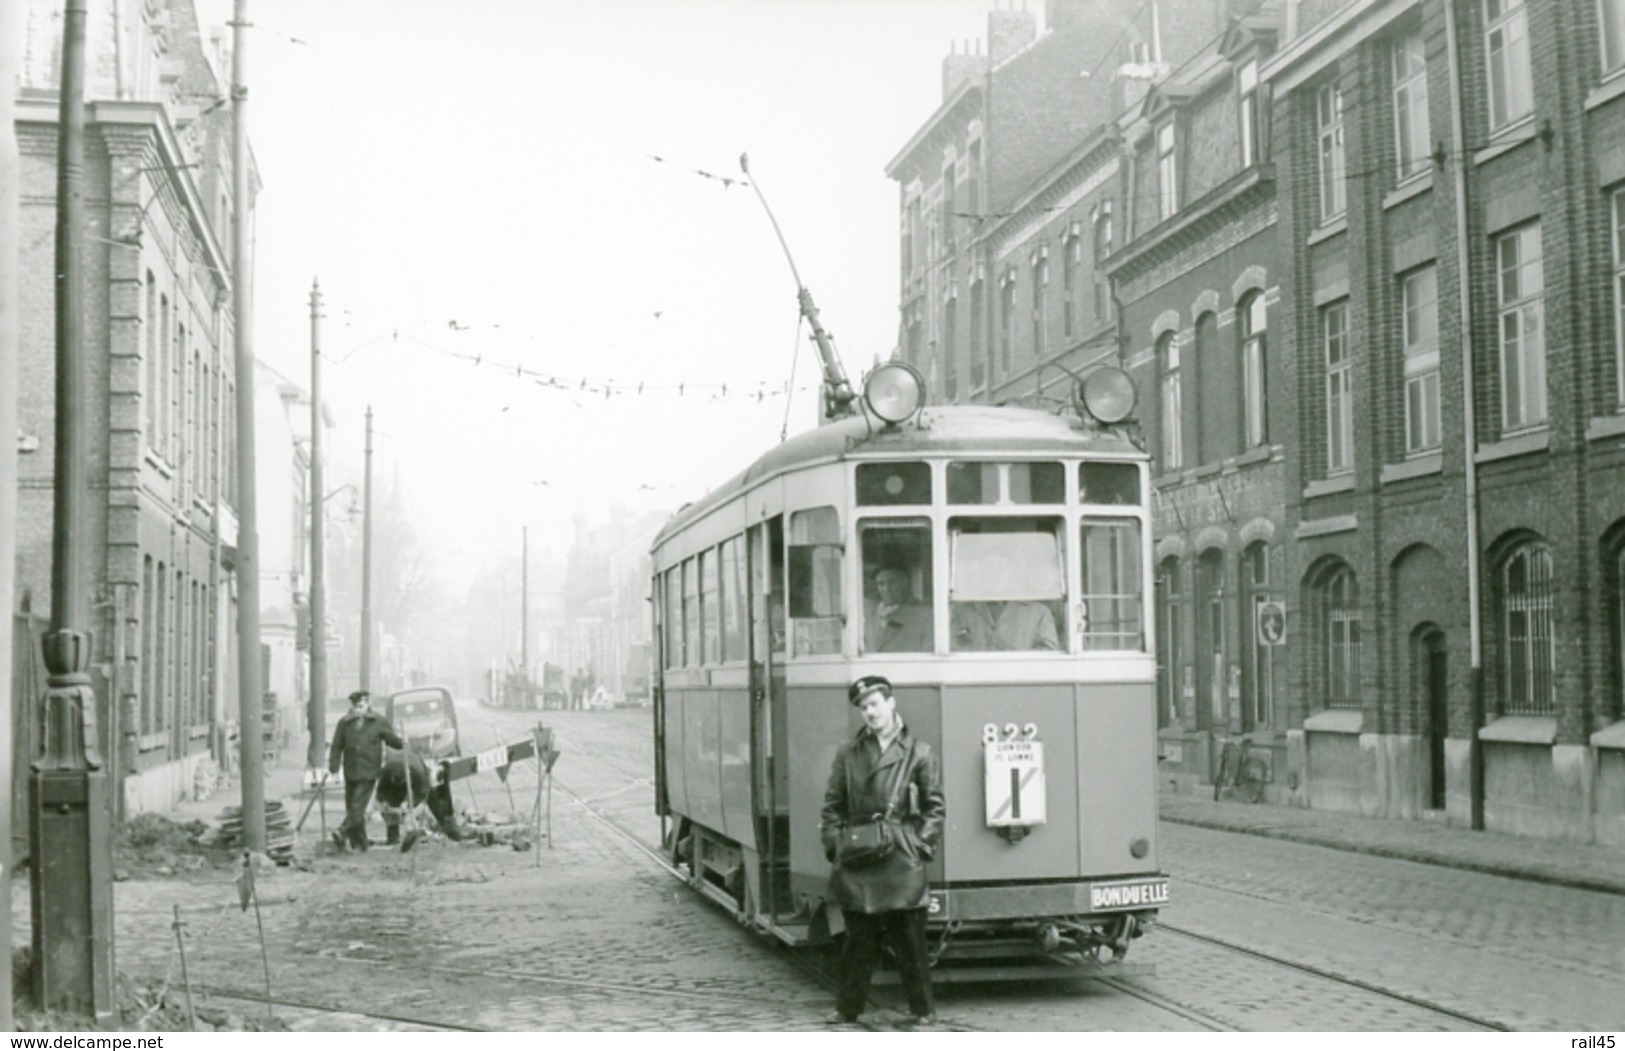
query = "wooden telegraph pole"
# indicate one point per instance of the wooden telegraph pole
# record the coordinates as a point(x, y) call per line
point(316, 716)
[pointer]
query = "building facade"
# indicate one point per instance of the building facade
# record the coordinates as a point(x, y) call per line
point(1367, 264)
point(1198, 280)
point(1454, 210)
point(160, 378)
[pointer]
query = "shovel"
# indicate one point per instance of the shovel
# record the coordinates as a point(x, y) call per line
point(321, 790)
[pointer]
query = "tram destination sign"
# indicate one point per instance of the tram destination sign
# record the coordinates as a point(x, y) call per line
point(1128, 894)
point(1014, 783)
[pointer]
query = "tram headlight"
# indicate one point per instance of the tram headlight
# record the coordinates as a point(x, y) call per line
point(1107, 394)
point(894, 391)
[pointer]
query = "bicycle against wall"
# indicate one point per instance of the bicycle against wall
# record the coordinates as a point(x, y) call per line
point(1242, 772)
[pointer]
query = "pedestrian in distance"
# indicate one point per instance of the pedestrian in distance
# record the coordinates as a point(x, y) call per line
point(358, 745)
point(883, 771)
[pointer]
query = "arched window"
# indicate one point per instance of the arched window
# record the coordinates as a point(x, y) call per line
point(1007, 320)
point(1255, 425)
point(1526, 631)
point(1169, 402)
point(1040, 269)
point(1071, 261)
point(1212, 396)
point(1103, 248)
point(1338, 598)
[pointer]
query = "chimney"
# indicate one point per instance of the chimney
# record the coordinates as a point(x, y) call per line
point(1009, 31)
point(960, 67)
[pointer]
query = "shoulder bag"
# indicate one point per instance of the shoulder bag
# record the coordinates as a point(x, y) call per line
point(864, 844)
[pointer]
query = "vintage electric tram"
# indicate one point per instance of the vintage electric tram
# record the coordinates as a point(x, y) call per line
point(994, 563)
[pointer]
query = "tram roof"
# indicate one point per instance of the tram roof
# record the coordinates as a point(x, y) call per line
point(981, 430)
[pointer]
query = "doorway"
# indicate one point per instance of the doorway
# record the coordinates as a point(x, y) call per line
point(1433, 696)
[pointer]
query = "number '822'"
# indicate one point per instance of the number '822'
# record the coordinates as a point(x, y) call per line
point(991, 734)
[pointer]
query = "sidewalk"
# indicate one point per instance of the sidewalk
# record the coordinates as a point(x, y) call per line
point(1579, 865)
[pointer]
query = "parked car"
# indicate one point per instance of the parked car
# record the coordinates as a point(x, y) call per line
point(427, 717)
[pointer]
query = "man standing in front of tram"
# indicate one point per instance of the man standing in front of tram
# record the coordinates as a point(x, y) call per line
point(884, 770)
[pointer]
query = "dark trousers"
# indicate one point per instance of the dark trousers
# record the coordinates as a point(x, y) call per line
point(357, 794)
point(904, 931)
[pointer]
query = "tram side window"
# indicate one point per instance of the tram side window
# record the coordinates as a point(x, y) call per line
point(767, 587)
point(1112, 609)
point(897, 602)
point(710, 611)
point(674, 617)
point(816, 611)
point(691, 612)
point(733, 599)
point(1007, 583)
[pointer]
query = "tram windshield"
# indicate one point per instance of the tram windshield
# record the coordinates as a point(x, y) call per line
point(1007, 586)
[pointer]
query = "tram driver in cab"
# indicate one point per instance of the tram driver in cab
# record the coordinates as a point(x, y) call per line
point(892, 621)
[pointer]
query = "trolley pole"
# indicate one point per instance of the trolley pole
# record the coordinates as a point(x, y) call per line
point(69, 827)
point(250, 700)
point(316, 716)
point(366, 565)
point(524, 612)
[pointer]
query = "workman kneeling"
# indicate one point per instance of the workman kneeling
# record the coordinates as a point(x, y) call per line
point(427, 789)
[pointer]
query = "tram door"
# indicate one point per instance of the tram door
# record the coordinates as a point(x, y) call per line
point(770, 783)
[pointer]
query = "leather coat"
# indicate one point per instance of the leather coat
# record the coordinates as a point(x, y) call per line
point(861, 781)
point(358, 741)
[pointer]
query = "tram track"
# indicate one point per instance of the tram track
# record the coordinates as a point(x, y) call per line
point(805, 963)
point(1206, 1019)
point(801, 962)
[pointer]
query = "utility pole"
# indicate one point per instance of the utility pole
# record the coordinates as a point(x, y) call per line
point(316, 717)
point(366, 565)
point(11, 32)
point(69, 827)
point(524, 611)
point(250, 701)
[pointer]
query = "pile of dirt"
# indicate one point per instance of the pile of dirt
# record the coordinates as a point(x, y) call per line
point(151, 845)
point(139, 1007)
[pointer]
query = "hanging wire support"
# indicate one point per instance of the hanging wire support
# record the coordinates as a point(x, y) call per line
point(838, 396)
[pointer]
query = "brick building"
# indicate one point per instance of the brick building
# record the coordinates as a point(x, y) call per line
point(160, 372)
point(986, 221)
point(1199, 281)
point(1453, 205)
point(1368, 270)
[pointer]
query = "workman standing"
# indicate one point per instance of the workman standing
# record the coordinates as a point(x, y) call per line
point(358, 743)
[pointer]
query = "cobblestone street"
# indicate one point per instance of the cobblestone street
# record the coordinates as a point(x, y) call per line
point(591, 933)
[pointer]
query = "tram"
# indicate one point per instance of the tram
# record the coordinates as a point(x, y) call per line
point(994, 563)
